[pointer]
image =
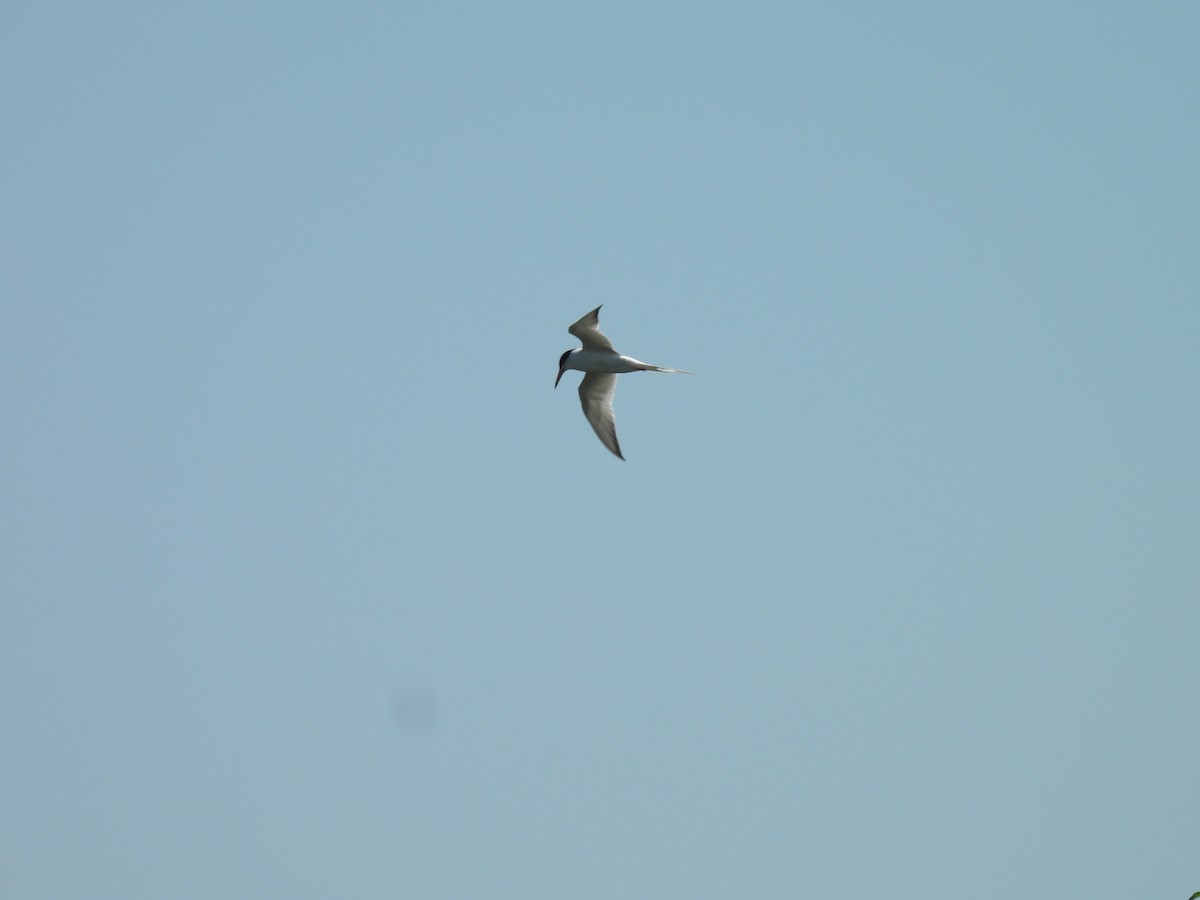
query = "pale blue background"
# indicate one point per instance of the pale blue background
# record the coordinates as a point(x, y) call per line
point(313, 587)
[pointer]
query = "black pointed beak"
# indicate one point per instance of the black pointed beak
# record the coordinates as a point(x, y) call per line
point(559, 378)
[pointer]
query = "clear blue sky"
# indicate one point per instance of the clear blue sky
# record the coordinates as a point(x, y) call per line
point(312, 586)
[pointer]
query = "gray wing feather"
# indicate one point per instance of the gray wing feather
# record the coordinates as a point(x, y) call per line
point(588, 331)
point(596, 392)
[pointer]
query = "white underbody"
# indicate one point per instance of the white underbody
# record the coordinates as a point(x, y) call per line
point(602, 361)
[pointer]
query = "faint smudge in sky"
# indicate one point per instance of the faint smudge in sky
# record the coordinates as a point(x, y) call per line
point(415, 710)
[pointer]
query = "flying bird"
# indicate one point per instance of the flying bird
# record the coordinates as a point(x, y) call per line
point(602, 364)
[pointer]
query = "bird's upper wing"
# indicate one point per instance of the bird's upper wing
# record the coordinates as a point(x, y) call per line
point(588, 331)
point(596, 392)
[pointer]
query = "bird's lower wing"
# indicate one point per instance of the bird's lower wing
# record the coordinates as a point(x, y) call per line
point(596, 393)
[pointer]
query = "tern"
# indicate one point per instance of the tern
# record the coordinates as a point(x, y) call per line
point(602, 364)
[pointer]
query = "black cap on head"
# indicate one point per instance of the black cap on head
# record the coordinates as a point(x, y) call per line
point(563, 359)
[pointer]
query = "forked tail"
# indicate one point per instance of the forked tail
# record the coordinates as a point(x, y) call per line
point(646, 367)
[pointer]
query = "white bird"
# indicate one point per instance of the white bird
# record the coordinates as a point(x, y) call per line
point(602, 364)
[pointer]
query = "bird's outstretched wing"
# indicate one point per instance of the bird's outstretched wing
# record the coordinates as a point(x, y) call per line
point(588, 331)
point(596, 393)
